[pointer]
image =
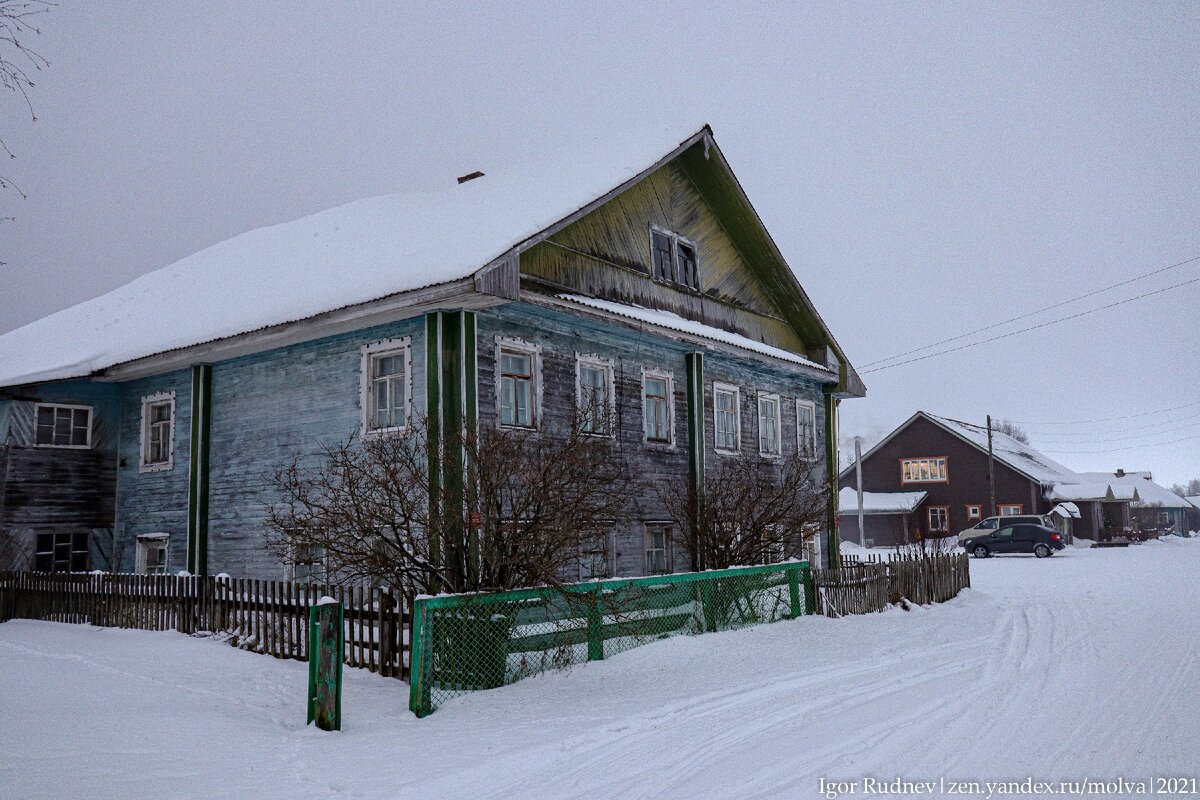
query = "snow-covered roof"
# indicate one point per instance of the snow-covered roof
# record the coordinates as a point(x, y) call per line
point(1193, 499)
point(1149, 492)
point(1015, 454)
point(347, 255)
point(670, 321)
point(1067, 510)
point(1084, 489)
point(879, 502)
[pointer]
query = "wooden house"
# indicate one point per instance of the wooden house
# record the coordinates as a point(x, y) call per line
point(948, 460)
point(140, 430)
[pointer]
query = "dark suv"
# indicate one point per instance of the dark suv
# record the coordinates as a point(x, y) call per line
point(1020, 538)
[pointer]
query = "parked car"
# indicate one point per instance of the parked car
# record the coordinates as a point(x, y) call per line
point(1022, 537)
point(993, 523)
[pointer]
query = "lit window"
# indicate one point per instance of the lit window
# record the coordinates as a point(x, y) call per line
point(386, 371)
point(152, 554)
point(595, 395)
point(806, 427)
point(63, 426)
point(923, 470)
point(939, 519)
point(768, 425)
point(516, 380)
point(727, 417)
point(673, 258)
point(158, 431)
point(656, 397)
point(658, 549)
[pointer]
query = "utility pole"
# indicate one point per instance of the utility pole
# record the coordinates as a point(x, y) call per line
point(991, 467)
point(862, 537)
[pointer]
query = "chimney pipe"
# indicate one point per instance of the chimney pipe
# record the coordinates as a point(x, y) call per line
point(470, 176)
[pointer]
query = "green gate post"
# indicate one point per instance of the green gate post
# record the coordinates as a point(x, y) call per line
point(595, 626)
point(810, 597)
point(419, 695)
point(326, 651)
point(793, 578)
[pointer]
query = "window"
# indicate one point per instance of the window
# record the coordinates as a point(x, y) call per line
point(727, 417)
point(386, 380)
point(658, 549)
point(63, 426)
point(657, 405)
point(768, 425)
point(923, 470)
point(974, 512)
point(158, 432)
point(309, 565)
point(806, 427)
point(1006, 533)
point(1011, 510)
point(61, 552)
point(594, 559)
point(595, 395)
point(673, 258)
point(939, 519)
point(516, 377)
point(152, 554)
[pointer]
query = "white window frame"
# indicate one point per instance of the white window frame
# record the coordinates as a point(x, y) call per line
point(974, 512)
point(728, 388)
point(369, 352)
point(323, 560)
point(91, 424)
point(534, 352)
point(1020, 509)
point(668, 376)
point(931, 462)
point(668, 548)
point(771, 397)
point(810, 452)
point(145, 542)
point(594, 361)
point(159, 398)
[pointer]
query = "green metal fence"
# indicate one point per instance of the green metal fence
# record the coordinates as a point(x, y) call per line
point(464, 643)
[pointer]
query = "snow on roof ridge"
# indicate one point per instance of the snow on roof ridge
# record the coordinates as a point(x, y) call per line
point(342, 256)
point(1016, 454)
point(673, 321)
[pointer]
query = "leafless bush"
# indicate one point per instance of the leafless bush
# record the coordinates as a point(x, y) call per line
point(753, 511)
point(507, 508)
point(17, 61)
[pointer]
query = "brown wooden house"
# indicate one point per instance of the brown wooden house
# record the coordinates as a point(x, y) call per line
point(948, 460)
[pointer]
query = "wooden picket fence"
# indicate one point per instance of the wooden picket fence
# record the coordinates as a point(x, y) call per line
point(861, 587)
point(264, 616)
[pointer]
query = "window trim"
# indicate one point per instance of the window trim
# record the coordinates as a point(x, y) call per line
point(736, 391)
point(977, 508)
point(369, 352)
point(534, 351)
point(659, 374)
point(609, 366)
point(945, 459)
point(675, 238)
point(668, 547)
point(1020, 509)
point(323, 560)
point(144, 541)
point(609, 564)
point(778, 453)
point(811, 406)
point(158, 398)
point(929, 518)
point(74, 407)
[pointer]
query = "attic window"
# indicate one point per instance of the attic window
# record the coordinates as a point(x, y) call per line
point(673, 258)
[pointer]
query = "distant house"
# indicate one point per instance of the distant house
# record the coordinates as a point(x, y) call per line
point(948, 460)
point(1156, 508)
point(140, 430)
point(1193, 515)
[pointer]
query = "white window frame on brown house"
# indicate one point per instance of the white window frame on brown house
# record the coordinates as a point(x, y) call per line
point(608, 367)
point(401, 345)
point(150, 426)
point(37, 408)
point(974, 512)
point(1020, 509)
point(945, 524)
point(912, 475)
point(727, 389)
point(519, 347)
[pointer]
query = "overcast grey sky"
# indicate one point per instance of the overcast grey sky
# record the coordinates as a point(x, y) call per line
point(927, 169)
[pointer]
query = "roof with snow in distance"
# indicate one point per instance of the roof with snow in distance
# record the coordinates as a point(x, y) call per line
point(336, 259)
point(1194, 499)
point(879, 502)
point(1067, 509)
point(1015, 454)
point(1092, 490)
point(1149, 492)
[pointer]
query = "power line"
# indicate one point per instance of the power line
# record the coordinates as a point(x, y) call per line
point(1110, 419)
point(1034, 313)
point(1123, 449)
point(1101, 438)
point(1033, 327)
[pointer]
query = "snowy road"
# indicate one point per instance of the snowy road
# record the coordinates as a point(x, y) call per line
point(1081, 666)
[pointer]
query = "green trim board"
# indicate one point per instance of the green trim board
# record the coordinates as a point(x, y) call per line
point(198, 470)
point(695, 422)
point(833, 549)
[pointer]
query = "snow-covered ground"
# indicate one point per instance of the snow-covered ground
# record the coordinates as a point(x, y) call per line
point(1079, 666)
